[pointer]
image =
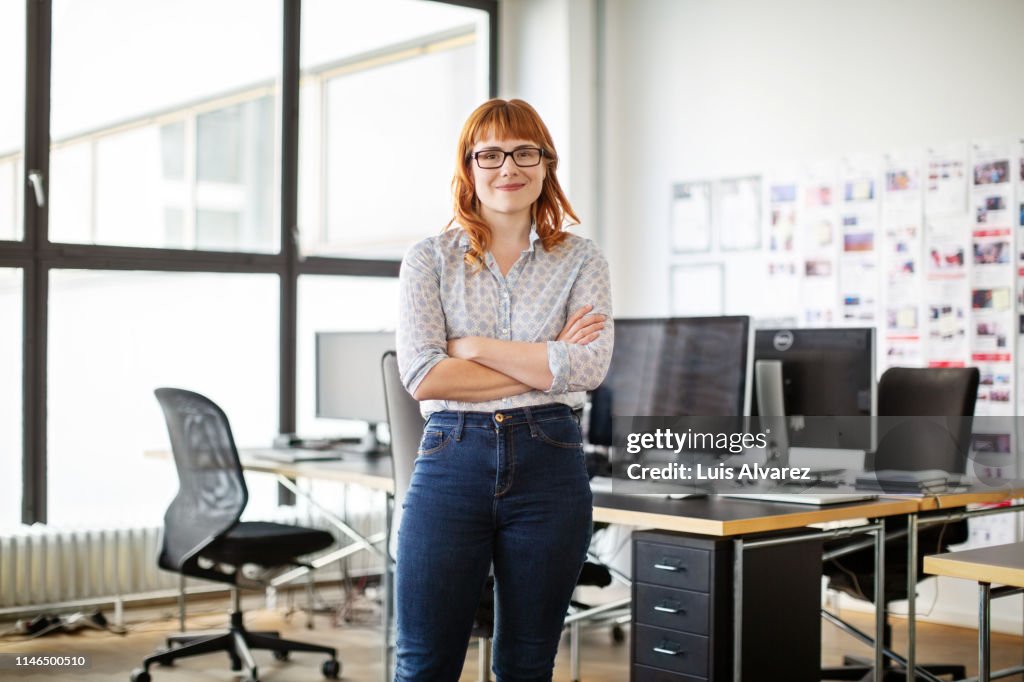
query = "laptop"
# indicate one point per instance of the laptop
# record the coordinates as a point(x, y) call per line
point(294, 455)
point(813, 498)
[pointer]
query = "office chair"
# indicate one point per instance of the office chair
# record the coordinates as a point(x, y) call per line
point(204, 538)
point(948, 394)
point(406, 428)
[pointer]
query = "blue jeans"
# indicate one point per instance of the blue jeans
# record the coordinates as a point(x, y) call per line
point(508, 488)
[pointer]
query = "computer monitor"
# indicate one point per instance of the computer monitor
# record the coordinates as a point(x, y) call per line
point(675, 367)
point(349, 384)
point(825, 373)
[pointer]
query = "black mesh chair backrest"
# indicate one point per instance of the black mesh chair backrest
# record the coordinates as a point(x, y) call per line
point(406, 426)
point(211, 493)
point(946, 396)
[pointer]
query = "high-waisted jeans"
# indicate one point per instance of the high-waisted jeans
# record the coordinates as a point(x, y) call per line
point(505, 487)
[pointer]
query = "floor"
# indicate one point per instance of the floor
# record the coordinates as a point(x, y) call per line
point(358, 640)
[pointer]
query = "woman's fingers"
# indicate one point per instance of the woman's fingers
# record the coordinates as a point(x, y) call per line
point(571, 324)
point(588, 331)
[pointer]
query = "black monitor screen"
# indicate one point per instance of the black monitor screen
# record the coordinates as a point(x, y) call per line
point(825, 373)
point(349, 384)
point(674, 367)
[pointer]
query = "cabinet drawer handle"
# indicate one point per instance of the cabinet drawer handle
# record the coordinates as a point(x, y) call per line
point(668, 609)
point(664, 566)
point(669, 652)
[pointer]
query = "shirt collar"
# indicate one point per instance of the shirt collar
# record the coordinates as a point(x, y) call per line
point(464, 238)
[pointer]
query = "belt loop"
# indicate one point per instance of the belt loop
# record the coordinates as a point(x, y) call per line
point(459, 426)
point(530, 421)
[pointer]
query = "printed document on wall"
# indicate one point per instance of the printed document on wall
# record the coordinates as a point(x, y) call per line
point(902, 251)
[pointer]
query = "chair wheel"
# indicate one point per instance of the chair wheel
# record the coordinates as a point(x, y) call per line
point(618, 636)
point(281, 655)
point(140, 675)
point(332, 669)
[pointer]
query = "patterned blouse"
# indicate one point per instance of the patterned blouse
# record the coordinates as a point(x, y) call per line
point(441, 297)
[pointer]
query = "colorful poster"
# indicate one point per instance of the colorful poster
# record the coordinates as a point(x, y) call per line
point(782, 214)
point(819, 294)
point(902, 341)
point(858, 218)
point(946, 180)
point(992, 275)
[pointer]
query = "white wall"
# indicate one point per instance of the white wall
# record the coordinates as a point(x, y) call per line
point(698, 89)
point(547, 50)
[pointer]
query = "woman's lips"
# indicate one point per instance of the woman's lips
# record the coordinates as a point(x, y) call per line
point(510, 188)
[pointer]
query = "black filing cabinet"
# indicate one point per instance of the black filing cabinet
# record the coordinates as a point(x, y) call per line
point(682, 628)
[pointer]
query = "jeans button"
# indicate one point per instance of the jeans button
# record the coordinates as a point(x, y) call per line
point(499, 417)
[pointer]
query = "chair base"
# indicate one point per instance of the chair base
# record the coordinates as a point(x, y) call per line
point(857, 668)
point(239, 644)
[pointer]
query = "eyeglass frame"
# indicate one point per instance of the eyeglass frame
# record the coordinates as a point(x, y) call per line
point(475, 157)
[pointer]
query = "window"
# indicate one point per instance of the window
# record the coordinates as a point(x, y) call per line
point(10, 397)
point(116, 336)
point(186, 156)
point(171, 139)
point(382, 106)
point(12, 117)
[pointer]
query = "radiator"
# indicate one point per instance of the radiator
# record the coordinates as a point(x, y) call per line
point(44, 565)
point(41, 565)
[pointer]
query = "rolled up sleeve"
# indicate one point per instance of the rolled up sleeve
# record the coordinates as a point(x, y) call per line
point(422, 340)
point(583, 368)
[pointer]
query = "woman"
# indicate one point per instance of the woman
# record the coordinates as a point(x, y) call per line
point(504, 325)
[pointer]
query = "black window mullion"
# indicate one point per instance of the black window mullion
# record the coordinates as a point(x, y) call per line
point(289, 212)
point(34, 292)
point(95, 256)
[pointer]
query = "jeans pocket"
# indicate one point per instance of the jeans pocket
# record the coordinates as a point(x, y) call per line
point(434, 440)
point(561, 433)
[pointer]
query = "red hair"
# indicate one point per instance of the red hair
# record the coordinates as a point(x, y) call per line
point(506, 120)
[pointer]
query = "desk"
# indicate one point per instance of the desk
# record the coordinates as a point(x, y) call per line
point(740, 519)
point(941, 508)
point(1002, 564)
point(711, 516)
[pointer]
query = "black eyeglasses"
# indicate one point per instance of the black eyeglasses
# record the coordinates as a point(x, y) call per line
point(524, 157)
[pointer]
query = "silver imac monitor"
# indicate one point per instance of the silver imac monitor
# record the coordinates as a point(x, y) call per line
point(349, 384)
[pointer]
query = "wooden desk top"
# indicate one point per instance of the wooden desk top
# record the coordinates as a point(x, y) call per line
point(725, 517)
point(973, 495)
point(370, 472)
point(1002, 564)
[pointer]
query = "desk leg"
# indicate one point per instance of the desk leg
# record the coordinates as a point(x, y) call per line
point(984, 631)
point(911, 596)
point(388, 585)
point(737, 610)
point(879, 601)
point(181, 602)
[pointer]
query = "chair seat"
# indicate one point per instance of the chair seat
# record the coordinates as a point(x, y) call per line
point(266, 543)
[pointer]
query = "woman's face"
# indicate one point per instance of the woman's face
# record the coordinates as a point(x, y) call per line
point(508, 189)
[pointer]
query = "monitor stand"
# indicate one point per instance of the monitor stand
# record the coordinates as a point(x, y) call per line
point(369, 445)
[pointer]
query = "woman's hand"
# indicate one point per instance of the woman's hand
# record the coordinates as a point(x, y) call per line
point(581, 328)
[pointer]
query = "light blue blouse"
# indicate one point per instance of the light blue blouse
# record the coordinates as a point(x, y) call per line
point(442, 297)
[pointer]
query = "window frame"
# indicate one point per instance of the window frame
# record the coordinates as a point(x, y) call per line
point(37, 256)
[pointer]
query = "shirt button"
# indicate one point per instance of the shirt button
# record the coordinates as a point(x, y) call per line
point(504, 331)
